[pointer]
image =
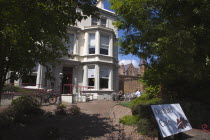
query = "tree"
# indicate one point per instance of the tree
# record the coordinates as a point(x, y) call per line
point(175, 37)
point(31, 32)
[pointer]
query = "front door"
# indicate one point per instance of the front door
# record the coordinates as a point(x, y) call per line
point(67, 79)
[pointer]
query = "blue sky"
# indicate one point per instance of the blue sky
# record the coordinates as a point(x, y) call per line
point(126, 59)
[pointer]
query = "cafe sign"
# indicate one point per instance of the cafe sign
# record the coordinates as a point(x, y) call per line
point(171, 119)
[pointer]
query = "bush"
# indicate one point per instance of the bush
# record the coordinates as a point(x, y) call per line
point(141, 106)
point(197, 113)
point(145, 100)
point(10, 88)
point(61, 110)
point(24, 108)
point(129, 120)
point(147, 127)
point(21, 111)
point(74, 110)
point(26, 105)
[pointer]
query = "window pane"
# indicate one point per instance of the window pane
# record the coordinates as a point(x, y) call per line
point(91, 43)
point(104, 72)
point(94, 21)
point(104, 44)
point(103, 22)
point(70, 43)
point(104, 77)
point(29, 80)
point(104, 83)
point(91, 81)
point(91, 75)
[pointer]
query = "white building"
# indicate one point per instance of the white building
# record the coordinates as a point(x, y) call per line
point(94, 66)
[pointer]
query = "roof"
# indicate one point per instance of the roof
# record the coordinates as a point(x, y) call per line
point(127, 66)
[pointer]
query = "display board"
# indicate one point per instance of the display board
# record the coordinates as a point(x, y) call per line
point(171, 119)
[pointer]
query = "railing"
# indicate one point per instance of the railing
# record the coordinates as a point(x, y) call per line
point(68, 89)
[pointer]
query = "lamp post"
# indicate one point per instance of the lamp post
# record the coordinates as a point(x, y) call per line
point(60, 78)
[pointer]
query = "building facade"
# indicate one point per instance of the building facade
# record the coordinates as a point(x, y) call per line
point(129, 77)
point(93, 67)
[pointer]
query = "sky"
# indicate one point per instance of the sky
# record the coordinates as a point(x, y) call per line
point(125, 59)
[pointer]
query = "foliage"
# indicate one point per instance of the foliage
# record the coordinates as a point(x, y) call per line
point(74, 110)
point(141, 107)
point(147, 127)
point(9, 88)
point(32, 32)
point(22, 111)
point(129, 120)
point(60, 110)
point(175, 37)
point(197, 113)
point(25, 105)
point(145, 99)
point(12, 88)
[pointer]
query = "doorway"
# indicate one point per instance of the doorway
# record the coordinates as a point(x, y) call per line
point(67, 79)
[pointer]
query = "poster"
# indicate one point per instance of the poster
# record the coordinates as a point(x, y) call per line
point(171, 119)
point(91, 73)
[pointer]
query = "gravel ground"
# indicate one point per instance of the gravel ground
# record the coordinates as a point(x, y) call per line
point(99, 120)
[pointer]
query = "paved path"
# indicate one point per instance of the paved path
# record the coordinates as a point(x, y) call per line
point(98, 121)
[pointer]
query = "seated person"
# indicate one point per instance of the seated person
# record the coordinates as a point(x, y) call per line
point(121, 95)
point(138, 93)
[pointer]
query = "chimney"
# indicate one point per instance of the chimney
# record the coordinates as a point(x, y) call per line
point(142, 66)
point(100, 4)
point(121, 69)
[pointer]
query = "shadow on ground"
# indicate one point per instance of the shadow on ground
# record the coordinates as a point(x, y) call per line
point(59, 127)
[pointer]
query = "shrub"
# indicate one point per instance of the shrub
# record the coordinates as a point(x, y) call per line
point(145, 100)
point(129, 120)
point(147, 127)
point(196, 112)
point(142, 106)
point(61, 110)
point(22, 110)
point(26, 105)
point(74, 110)
point(10, 88)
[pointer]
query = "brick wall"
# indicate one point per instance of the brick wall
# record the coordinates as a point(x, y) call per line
point(130, 84)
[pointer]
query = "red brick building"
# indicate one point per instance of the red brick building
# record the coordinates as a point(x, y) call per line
point(129, 77)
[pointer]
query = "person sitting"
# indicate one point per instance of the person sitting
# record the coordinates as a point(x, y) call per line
point(121, 95)
point(138, 93)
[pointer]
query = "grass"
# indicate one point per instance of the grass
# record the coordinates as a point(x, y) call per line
point(125, 104)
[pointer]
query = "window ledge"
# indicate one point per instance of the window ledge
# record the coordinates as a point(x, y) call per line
point(89, 55)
